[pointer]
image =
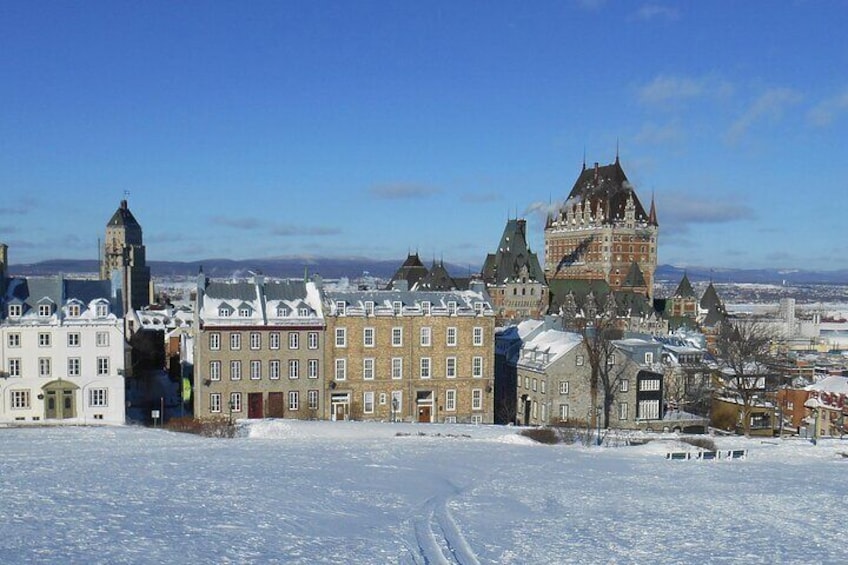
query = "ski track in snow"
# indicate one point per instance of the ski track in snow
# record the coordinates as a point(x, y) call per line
point(440, 542)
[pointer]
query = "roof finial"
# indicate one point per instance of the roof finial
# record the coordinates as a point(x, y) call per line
point(584, 157)
point(616, 150)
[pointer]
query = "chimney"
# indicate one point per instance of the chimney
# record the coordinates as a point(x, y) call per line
point(522, 226)
point(596, 171)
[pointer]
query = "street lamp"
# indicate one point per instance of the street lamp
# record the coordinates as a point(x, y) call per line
point(231, 405)
point(815, 406)
point(394, 409)
point(598, 420)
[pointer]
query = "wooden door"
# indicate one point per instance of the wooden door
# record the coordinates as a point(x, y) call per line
point(275, 405)
point(254, 405)
point(424, 414)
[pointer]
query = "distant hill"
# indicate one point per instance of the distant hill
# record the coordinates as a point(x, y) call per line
point(357, 266)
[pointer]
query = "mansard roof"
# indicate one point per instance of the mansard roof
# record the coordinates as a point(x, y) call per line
point(412, 271)
point(31, 291)
point(123, 217)
point(437, 278)
point(513, 254)
point(684, 289)
point(607, 187)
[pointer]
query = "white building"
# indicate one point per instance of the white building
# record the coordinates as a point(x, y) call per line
point(62, 351)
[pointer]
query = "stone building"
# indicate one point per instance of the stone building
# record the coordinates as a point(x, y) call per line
point(124, 256)
point(400, 355)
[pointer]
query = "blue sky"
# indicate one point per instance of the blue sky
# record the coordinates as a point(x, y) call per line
point(263, 129)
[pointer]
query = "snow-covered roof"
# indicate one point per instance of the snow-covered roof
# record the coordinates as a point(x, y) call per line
point(831, 384)
point(546, 348)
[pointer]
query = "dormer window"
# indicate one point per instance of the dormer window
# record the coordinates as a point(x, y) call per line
point(224, 311)
point(45, 310)
point(282, 311)
point(74, 310)
point(340, 307)
point(369, 307)
point(244, 312)
point(397, 306)
point(102, 310)
point(425, 307)
point(15, 310)
point(303, 312)
point(451, 308)
point(478, 307)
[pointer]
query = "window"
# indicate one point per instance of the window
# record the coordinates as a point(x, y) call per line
point(563, 387)
point(368, 337)
point(274, 340)
point(341, 337)
point(294, 400)
point(15, 310)
point(74, 366)
point(450, 340)
point(274, 369)
point(98, 397)
point(478, 336)
point(340, 307)
point(368, 402)
point(450, 400)
point(102, 310)
point(44, 367)
point(425, 307)
point(397, 403)
point(476, 367)
point(73, 339)
point(74, 310)
point(397, 337)
point(649, 358)
point(215, 402)
point(235, 341)
point(450, 367)
point(476, 419)
point(622, 411)
point(452, 308)
point(255, 370)
point(282, 311)
point(14, 340)
point(397, 307)
point(44, 310)
point(648, 410)
point(624, 385)
point(383, 399)
point(294, 340)
point(368, 369)
point(224, 312)
point(214, 370)
point(563, 412)
point(235, 401)
point(424, 371)
point(312, 369)
point(426, 336)
point(14, 367)
point(397, 368)
point(534, 385)
point(44, 339)
point(542, 387)
point(611, 359)
point(20, 399)
point(369, 307)
point(312, 340)
point(303, 312)
point(235, 370)
point(649, 385)
point(102, 339)
point(341, 369)
point(579, 360)
point(214, 341)
point(255, 340)
point(294, 369)
point(477, 399)
point(244, 312)
point(312, 399)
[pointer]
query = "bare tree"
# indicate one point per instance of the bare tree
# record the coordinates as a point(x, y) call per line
point(599, 335)
point(743, 350)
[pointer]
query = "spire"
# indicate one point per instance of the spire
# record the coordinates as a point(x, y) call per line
point(616, 151)
point(652, 215)
point(584, 157)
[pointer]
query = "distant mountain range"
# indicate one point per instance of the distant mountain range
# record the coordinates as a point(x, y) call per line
point(358, 266)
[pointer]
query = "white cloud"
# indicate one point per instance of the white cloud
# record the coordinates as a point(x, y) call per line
point(770, 105)
point(827, 111)
point(657, 133)
point(401, 191)
point(652, 11)
point(678, 211)
point(664, 89)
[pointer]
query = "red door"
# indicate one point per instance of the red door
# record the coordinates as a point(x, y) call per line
point(275, 404)
point(254, 405)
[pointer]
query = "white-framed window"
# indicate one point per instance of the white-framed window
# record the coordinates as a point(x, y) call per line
point(450, 339)
point(312, 340)
point(397, 403)
point(341, 369)
point(98, 397)
point(383, 398)
point(368, 369)
point(450, 367)
point(274, 369)
point(235, 341)
point(44, 310)
point(101, 339)
point(563, 412)
point(214, 370)
point(649, 357)
point(44, 369)
point(534, 410)
point(544, 412)
point(611, 359)
point(282, 312)
point(624, 385)
point(255, 340)
point(341, 337)
point(294, 369)
point(294, 400)
point(648, 410)
point(477, 334)
point(368, 337)
point(274, 340)
point(622, 410)
point(74, 310)
point(74, 366)
point(480, 307)
point(215, 402)
point(15, 310)
point(527, 383)
point(43, 339)
point(73, 339)
point(397, 368)
point(294, 340)
point(255, 370)
point(563, 387)
point(14, 367)
point(235, 370)
point(477, 399)
point(368, 402)
point(424, 369)
point(579, 360)
point(245, 312)
point(303, 312)
point(235, 401)
point(369, 307)
point(450, 400)
point(397, 337)
point(214, 341)
point(20, 399)
point(426, 307)
point(102, 310)
point(542, 386)
point(534, 385)
point(426, 336)
point(452, 308)
point(477, 367)
point(649, 385)
point(397, 307)
point(340, 307)
point(312, 399)
point(312, 369)
point(224, 311)
point(14, 339)
point(451, 420)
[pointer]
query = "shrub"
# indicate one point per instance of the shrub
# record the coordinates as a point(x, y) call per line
point(702, 442)
point(541, 435)
point(218, 427)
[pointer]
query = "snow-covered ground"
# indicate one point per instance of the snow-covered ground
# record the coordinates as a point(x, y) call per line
point(324, 492)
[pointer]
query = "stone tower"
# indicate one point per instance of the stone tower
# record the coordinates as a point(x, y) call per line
point(602, 232)
point(123, 252)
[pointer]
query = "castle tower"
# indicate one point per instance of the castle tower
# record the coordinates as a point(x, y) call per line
point(124, 253)
point(601, 231)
